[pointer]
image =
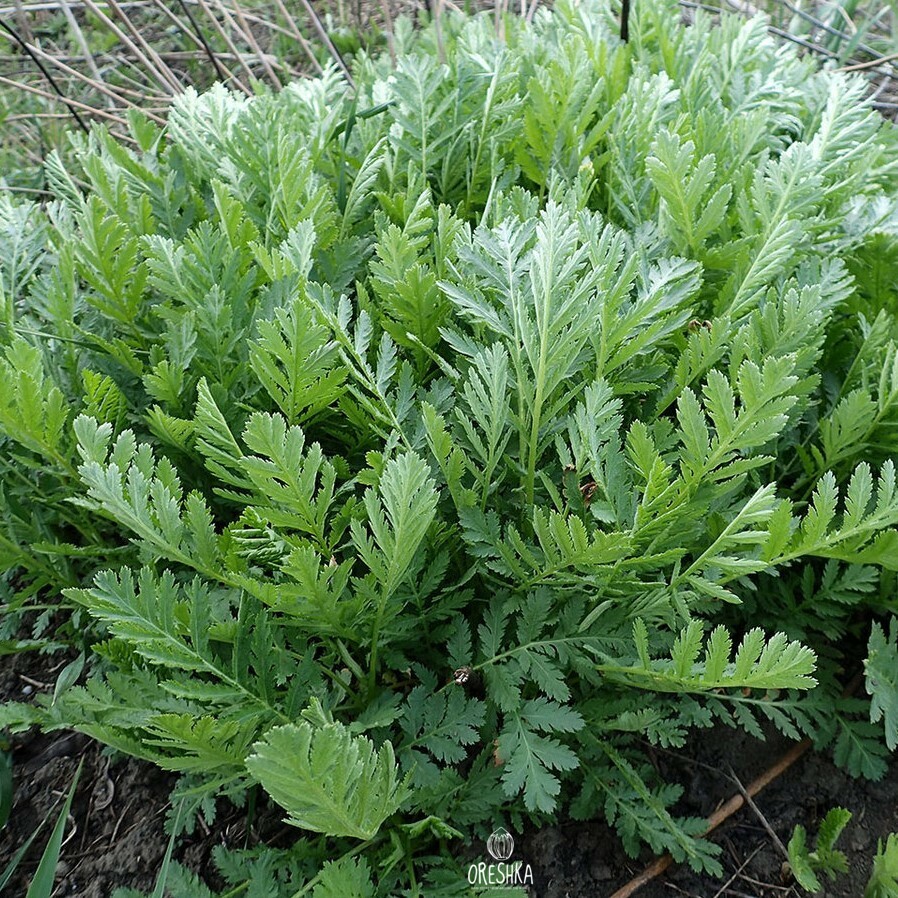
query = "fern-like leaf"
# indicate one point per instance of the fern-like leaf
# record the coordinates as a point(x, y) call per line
point(328, 780)
point(881, 670)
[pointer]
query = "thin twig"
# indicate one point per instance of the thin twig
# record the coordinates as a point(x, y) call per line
point(30, 116)
point(31, 191)
point(735, 876)
point(757, 812)
point(870, 64)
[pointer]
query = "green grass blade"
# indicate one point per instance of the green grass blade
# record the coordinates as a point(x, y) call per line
point(45, 875)
point(13, 865)
point(6, 792)
point(159, 891)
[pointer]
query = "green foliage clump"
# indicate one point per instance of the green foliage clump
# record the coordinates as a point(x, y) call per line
point(417, 455)
point(883, 881)
point(825, 858)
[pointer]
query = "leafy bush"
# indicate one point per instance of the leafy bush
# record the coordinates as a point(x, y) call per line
point(419, 454)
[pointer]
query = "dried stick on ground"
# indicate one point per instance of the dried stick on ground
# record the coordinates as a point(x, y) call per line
point(719, 816)
point(757, 812)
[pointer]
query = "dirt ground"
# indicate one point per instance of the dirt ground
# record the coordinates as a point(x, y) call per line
point(116, 834)
point(116, 831)
point(583, 861)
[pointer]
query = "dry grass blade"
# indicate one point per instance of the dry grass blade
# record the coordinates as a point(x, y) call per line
point(81, 40)
point(250, 38)
point(306, 46)
point(159, 77)
point(162, 68)
point(50, 80)
point(68, 101)
point(326, 40)
point(231, 46)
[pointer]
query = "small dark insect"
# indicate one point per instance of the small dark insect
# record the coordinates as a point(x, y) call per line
point(588, 490)
point(469, 679)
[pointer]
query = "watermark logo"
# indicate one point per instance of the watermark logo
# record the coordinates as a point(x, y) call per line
point(505, 872)
point(500, 845)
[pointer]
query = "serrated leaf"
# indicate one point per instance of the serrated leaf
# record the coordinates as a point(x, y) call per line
point(881, 679)
point(327, 780)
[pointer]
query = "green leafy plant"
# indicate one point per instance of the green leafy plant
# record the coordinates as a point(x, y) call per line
point(413, 454)
point(883, 882)
point(328, 780)
point(825, 858)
